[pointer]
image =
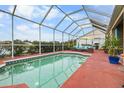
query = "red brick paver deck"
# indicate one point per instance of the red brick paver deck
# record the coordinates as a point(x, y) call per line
point(1, 62)
point(16, 86)
point(97, 72)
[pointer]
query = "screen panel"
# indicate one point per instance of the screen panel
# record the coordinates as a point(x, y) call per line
point(76, 30)
point(78, 15)
point(99, 18)
point(58, 40)
point(32, 12)
point(54, 17)
point(81, 22)
point(70, 8)
point(26, 37)
point(71, 28)
point(46, 39)
point(5, 35)
point(65, 23)
point(7, 8)
point(104, 9)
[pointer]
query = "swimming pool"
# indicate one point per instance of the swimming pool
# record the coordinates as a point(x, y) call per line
point(49, 71)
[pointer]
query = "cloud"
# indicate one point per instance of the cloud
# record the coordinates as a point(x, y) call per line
point(22, 28)
point(1, 15)
point(2, 25)
point(49, 24)
point(46, 36)
point(25, 11)
point(25, 32)
point(37, 12)
point(53, 14)
point(35, 26)
point(31, 11)
point(85, 26)
point(11, 8)
point(77, 16)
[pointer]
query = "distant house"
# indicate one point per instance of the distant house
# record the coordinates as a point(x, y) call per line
point(28, 43)
point(92, 38)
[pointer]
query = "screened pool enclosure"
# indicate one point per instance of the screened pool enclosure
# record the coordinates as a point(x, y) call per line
point(39, 29)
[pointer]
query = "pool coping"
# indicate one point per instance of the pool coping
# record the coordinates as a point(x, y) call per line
point(41, 55)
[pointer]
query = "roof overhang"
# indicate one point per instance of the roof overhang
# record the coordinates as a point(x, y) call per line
point(116, 16)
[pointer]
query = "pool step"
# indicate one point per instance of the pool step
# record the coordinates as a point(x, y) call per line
point(1, 65)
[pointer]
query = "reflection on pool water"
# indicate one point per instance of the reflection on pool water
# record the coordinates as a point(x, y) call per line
point(49, 71)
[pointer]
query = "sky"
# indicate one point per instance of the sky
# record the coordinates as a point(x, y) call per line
point(25, 30)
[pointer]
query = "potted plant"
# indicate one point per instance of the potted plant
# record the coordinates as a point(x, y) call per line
point(106, 44)
point(113, 49)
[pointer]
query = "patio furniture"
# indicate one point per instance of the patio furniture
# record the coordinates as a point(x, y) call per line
point(90, 50)
point(122, 59)
point(2, 53)
point(87, 48)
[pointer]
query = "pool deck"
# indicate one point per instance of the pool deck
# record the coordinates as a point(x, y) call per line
point(16, 86)
point(97, 72)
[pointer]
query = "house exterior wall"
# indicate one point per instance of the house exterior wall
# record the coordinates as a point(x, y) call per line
point(117, 21)
point(123, 30)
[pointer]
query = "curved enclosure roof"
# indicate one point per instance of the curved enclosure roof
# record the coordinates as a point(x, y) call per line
point(75, 20)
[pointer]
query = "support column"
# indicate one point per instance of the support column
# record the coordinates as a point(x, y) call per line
point(73, 41)
point(68, 41)
point(93, 39)
point(39, 39)
point(99, 43)
point(77, 42)
point(123, 30)
point(54, 41)
point(86, 41)
point(12, 36)
point(62, 41)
